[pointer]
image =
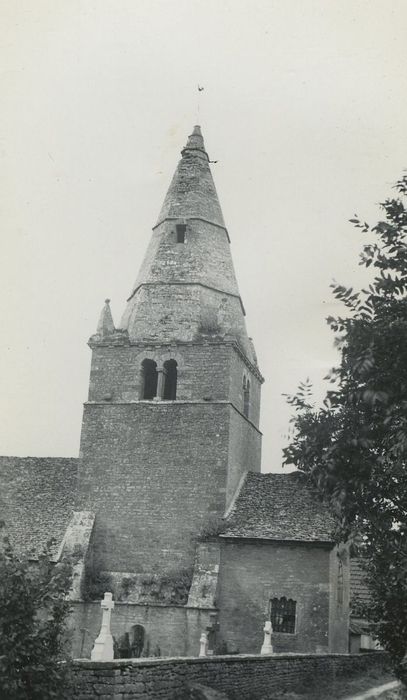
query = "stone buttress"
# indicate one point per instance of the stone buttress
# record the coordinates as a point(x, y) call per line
point(171, 421)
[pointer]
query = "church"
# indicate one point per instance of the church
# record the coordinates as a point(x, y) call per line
point(166, 505)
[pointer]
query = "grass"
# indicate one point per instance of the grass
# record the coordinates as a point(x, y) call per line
point(343, 687)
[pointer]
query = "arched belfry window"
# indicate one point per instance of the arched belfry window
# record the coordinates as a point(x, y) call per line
point(246, 396)
point(170, 380)
point(149, 379)
point(282, 614)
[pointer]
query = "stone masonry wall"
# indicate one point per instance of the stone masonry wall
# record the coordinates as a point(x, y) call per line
point(154, 473)
point(203, 370)
point(244, 452)
point(170, 630)
point(206, 370)
point(204, 257)
point(237, 369)
point(251, 573)
point(37, 496)
point(239, 677)
point(178, 311)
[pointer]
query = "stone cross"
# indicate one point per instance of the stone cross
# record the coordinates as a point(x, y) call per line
point(103, 647)
point(267, 648)
point(203, 644)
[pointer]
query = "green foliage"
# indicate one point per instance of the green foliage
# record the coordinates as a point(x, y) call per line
point(95, 582)
point(354, 447)
point(212, 527)
point(170, 588)
point(34, 664)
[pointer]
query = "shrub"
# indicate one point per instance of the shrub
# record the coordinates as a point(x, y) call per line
point(34, 663)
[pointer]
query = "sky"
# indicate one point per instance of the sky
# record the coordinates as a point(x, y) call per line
point(304, 107)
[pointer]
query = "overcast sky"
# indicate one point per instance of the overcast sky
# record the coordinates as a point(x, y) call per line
point(305, 110)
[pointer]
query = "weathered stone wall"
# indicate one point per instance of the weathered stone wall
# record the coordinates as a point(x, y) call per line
point(239, 677)
point(37, 496)
point(203, 370)
point(154, 473)
point(244, 452)
point(203, 257)
point(170, 630)
point(339, 610)
point(206, 370)
point(237, 369)
point(178, 311)
point(253, 572)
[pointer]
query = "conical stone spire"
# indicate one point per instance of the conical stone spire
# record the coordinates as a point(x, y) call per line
point(192, 191)
point(187, 287)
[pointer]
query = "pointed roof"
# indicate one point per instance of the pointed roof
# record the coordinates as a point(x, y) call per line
point(196, 143)
point(192, 192)
point(105, 325)
point(186, 289)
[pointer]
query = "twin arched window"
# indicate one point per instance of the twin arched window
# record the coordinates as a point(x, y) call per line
point(159, 383)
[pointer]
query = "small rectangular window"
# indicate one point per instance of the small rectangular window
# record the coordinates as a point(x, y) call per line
point(181, 230)
point(282, 615)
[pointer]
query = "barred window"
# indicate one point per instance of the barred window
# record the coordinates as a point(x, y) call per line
point(282, 615)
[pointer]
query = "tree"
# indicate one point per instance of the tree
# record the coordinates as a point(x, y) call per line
point(34, 607)
point(354, 446)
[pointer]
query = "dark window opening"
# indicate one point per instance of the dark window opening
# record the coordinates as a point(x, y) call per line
point(137, 635)
point(170, 381)
point(246, 396)
point(282, 615)
point(149, 375)
point(340, 584)
point(181, 231)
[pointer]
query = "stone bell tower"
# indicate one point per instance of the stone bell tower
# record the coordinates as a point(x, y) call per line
point(171, 421)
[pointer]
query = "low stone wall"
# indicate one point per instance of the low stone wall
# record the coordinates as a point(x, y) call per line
point(171, 630)
point(239, 677)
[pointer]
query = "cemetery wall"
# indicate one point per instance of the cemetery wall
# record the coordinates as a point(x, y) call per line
point(239, 677)
point(253, 573)
point(169, 630)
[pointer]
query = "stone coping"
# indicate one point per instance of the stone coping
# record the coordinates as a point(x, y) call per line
point(116, 664)
point(148, 605)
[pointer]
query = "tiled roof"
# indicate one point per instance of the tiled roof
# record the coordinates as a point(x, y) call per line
point(36, 499)
point(359, 591)
point(279, 507)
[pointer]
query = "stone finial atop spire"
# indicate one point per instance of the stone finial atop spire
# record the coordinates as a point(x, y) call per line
point(195, 143)
point(192, 191)
point(105, 325)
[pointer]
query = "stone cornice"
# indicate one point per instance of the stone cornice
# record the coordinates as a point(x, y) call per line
point(180, 283)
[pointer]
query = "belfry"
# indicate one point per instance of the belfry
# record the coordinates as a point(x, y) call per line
point(171, 422)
